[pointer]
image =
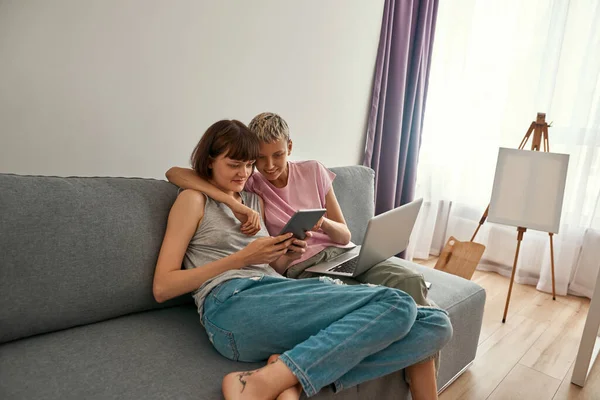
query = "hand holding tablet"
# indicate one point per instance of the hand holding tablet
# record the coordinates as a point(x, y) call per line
point(302, 221)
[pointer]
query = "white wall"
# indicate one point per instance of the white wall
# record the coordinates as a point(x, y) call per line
point(126, 88)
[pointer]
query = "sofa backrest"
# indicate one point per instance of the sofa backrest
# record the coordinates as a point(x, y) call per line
point(74, 251)
point(77, 250)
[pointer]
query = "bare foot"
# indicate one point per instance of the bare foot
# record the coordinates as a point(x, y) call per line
point(265, 383)
point(235, 386)
point(292, 393)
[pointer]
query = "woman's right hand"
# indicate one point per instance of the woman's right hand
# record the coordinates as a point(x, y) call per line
point(266, 250)
point(249, 218)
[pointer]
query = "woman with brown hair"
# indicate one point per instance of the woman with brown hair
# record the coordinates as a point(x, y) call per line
point(325, 333)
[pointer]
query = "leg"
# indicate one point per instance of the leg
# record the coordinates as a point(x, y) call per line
point(298, 271)
point(344, 279)
point(512, 276)
point(392, 273)
point(416, 351)
point(481, 222)
point(552, 264)
point(423, 384)
point(273, 381)
point(329, 328)
point(396, 273)
point(292, 393)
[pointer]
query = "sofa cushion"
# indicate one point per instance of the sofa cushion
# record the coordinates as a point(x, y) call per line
point(160, 354)
point(77, 250)
point(354, 188)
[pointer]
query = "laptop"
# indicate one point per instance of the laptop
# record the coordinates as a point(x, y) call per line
point(387, 235)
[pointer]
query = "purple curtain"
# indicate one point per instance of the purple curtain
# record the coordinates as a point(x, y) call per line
point(398, 99)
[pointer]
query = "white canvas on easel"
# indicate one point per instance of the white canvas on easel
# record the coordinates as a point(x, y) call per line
point(528, 192)
point(529, 189)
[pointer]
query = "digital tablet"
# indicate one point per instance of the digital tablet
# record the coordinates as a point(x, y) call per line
point(302, 221)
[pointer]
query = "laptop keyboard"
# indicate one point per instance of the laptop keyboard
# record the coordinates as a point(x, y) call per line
point(347, 267)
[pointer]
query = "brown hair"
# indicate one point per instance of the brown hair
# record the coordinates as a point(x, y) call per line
point(229, 137)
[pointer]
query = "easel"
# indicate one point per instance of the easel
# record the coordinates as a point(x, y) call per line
point(539, 128)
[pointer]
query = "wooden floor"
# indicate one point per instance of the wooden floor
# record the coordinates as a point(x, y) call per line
point(531, 356)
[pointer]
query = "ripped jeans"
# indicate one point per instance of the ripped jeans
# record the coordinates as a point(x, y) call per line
point(326, 333)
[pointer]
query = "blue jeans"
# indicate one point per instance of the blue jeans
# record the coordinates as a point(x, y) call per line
point(326, 333)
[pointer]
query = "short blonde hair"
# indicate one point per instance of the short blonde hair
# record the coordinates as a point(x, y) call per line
point(269, 127)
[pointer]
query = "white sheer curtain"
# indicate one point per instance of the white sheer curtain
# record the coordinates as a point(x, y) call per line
point(496, 63)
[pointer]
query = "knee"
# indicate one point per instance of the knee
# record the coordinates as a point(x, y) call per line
point(403, 309)
point(443, 327)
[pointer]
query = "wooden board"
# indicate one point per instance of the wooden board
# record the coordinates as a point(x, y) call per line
point(460, 258)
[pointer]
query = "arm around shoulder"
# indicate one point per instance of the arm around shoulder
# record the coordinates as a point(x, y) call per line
point(187, 178)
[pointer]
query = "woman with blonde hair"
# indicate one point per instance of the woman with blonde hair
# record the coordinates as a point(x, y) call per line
point(316, 332)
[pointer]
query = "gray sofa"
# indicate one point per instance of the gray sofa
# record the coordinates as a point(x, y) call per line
point(77, 316)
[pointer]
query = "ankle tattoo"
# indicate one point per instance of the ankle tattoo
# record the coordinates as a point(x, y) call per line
point(242, 380)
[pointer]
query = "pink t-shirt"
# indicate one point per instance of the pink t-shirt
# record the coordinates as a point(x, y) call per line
point(308, 184)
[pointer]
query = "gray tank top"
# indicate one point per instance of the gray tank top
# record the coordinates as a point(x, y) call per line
point(218, 235)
